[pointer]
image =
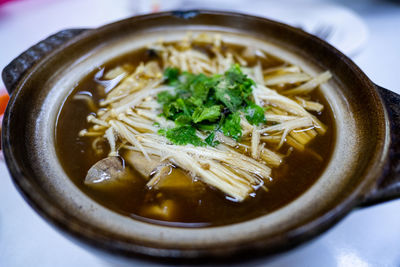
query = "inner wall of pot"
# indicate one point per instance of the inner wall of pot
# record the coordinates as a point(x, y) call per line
point(61, 189)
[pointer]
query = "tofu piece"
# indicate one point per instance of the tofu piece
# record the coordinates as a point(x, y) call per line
point(167, 210)
point(177, 181)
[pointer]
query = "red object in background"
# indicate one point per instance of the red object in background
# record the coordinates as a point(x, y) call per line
point(4, 97)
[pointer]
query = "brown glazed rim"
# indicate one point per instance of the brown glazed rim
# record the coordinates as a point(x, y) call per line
point(116, 245)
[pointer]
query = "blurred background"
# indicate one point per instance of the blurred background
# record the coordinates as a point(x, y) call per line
point(368, 31)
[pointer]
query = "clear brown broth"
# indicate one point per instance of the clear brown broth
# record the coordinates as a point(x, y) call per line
point(210, 208)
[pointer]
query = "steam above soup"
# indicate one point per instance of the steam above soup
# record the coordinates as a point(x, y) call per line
point(197, 132)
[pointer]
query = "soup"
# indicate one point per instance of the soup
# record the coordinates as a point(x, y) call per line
point(195, 133)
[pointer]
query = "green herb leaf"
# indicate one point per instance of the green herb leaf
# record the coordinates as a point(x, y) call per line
point(234, 89)
point(210, 140)
point(231, 126)
point(171, 75)
point(171, 110)
point(165, 97)
point(208, 103)
point(254, 114)
point(235, 76)
point(183, 120)
point(204, 126)
point(203, 113)
point(162, 132)
point(200, 86)
point(182, 106)
point(228, 95)
point(183, 135)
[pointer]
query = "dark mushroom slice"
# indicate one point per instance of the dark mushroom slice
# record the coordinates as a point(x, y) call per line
point(108, 172)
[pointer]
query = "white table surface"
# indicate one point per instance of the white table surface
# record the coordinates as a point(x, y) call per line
point(366, 237)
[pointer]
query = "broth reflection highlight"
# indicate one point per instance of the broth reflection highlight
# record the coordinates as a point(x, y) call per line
point(195, 133)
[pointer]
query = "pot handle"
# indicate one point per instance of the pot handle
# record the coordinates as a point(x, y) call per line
point(388, 187)
point(15, 70)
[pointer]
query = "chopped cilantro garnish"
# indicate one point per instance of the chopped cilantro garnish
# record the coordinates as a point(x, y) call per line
point(171, 75)
point(183, 135)
point(208, 103)
point(203, 113)
point(165, 97)
point(206, 126)
point(254, 114)
point(162, 132)
point(234, 88)
point(230, 97)
point(183, 120)
point(182, 106)
point(210, 140)
point(231, 126)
